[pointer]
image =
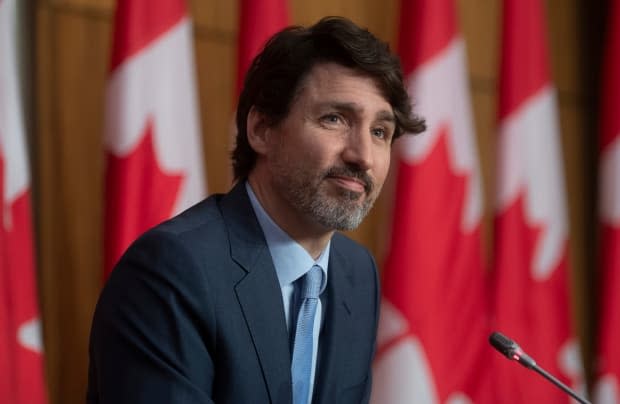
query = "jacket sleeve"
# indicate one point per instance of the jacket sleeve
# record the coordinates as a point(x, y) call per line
point(151, 337)
point(377, 300)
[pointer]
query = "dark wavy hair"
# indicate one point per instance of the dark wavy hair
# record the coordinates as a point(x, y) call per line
point(275, 76)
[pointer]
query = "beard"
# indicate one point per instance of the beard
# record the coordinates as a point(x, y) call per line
point(334, 208)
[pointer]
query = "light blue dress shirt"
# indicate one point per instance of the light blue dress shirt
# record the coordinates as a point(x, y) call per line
point(291, 261)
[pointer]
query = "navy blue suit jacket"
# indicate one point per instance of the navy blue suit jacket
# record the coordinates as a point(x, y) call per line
point(193, 313)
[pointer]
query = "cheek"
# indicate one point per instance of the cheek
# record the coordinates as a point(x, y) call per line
point(305, 161)
point(382, 166)
point(318, 154)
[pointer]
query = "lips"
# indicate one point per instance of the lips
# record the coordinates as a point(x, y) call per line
point(350, 183)
point(351, 179)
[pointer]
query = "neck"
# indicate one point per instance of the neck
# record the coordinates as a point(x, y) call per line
point(310, 235)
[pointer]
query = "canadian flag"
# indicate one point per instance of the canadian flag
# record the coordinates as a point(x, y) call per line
point(21, 351)
point(433, 328)
point(608, 363)
point(258, 21)
point(531, 225)
point(154, 163)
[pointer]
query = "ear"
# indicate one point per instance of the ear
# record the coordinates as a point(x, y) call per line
point(257, 130)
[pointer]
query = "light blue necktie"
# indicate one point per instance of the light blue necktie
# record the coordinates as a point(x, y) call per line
point(301, 367)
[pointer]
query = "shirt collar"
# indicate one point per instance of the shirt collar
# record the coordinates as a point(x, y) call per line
point(290, 259)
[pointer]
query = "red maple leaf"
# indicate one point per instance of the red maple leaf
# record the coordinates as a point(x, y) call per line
point(535, 312)
point(138, 195)
point(434, 273)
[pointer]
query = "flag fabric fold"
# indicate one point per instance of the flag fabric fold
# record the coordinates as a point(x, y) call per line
point(434, 324)
point(607, 367)
point(152, 139)
point(21, 349)
point(531, 269)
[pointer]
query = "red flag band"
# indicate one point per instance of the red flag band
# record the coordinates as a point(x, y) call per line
point(531, 226)
point(21, 351)
point(434, 287)
point(258, 20)
point(154, 163)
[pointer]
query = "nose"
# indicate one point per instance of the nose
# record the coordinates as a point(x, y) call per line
point(359, 150)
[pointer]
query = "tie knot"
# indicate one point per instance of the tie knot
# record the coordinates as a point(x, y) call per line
point(311, 285)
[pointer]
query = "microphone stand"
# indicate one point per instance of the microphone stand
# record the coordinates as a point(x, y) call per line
point(558, 383)
point(511, 350)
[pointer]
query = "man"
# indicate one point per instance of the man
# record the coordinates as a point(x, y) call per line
point(251, 297)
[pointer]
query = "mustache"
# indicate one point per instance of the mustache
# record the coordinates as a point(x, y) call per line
point(352, 172)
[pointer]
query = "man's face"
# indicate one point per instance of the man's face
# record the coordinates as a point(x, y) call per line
point(329, 157)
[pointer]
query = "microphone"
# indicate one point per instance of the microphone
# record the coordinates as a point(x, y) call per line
point(513, 351)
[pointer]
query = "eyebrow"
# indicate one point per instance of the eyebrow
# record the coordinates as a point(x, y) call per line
point(383, 115)
point(386, 116)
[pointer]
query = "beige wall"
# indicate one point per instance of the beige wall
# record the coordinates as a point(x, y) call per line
point(71, 57)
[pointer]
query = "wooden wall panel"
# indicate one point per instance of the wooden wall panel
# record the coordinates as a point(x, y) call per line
point(215, 15)
point(86, 8)
point(81, 68)
point(101, 5)
point(567, 40)
point(580, 215)
point(377, 16)
point(480, 23)
point(216, 83)
point(73, 54)
point(484, 110)
point(564, 32)
point(45, 204)
point(72, 51)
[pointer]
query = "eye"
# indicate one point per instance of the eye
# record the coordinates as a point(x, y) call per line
point(383, 130)
point(382, 133)
point(378, 132)
point(331, 119)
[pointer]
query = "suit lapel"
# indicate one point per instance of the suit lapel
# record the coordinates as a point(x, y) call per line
point(337, 326)
point(259, 293)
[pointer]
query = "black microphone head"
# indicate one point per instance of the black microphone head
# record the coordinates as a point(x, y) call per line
point(511, 350)
point(503, 344)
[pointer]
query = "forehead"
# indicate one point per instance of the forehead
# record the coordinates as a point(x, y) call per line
point(331, 81)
